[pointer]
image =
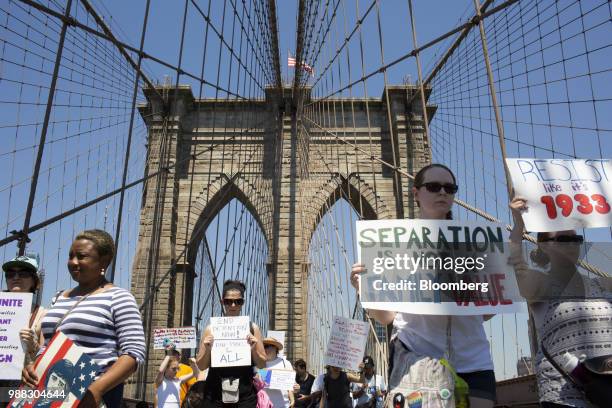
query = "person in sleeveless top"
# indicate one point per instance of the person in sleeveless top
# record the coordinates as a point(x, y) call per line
point(167, 382)
point(21, 275)
point(100, 318)
point(461, 338)
point(337, 388)
point(570, 314)
point(232, 300)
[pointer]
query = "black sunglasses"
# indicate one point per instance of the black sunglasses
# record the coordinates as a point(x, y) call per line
point(231, 302)
point(435, 187)
point(23, 274)
point(564, 238)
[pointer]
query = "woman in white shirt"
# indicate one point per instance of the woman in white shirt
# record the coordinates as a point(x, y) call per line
point(461, 339)
point(279, 398)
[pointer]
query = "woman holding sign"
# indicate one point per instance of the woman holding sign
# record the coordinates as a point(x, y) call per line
point(461, 339)
point(101, 319)
point(571, 316)
point(231, 386)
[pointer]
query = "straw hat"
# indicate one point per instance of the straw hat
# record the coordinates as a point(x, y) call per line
point(269, 341)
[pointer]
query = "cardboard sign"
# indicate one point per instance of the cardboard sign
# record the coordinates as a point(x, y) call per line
point(277, 379)
point(563, 194)
point(346, 343)
point(181, 337)
point(437, 267)
point(64, 371)
point(230, 347)
point(14, 316)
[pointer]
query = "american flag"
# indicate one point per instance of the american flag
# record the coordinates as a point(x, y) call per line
point(62, 366)
point(291, 63)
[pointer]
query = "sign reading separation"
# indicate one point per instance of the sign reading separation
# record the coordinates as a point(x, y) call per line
point(347, 342)
point(563, 194)
point(437, 267)
point(230, 346)
point(181, 337)
point(14, 316)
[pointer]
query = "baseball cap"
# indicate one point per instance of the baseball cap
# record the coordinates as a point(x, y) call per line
point(367, 360)
point(25, 261)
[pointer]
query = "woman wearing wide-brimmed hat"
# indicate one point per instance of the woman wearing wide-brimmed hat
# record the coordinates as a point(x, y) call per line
point(279, 398)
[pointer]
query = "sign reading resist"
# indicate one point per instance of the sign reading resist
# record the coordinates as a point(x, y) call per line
point(230, 347)
point(563, 194)
point(347, 343)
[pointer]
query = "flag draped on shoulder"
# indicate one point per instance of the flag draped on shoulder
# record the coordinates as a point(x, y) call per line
point(64, 373)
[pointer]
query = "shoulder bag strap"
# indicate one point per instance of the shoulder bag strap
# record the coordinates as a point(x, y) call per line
point(71, 309)
point(33, 315)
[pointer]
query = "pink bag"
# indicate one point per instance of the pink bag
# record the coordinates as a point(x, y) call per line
point(263, 401)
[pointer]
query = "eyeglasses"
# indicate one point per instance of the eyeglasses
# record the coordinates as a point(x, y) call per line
point(564, 238)
point(435, 187)
point(231, 302)
point(21, 273)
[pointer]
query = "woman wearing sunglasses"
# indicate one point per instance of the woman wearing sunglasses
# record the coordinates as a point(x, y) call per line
point(569, 318)
point(220, 377)
point(460, 338)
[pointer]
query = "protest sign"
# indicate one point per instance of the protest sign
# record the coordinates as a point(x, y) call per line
point(346, 343)
point(14, 316)
point(181, 337)
point(438, 267)
point(277, 379)
point(563, 194)
point(64, 373)
point(230, 347)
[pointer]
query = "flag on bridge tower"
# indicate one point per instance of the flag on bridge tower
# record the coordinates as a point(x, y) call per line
point(291, 62)
point(64, 371)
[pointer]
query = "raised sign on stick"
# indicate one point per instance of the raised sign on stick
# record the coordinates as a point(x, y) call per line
point(230, 347)
point(346, 343)
point(563, 194)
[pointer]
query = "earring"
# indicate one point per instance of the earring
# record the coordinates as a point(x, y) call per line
point(102, 272)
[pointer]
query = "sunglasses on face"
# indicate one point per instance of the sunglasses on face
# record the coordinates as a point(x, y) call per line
point(565, 238)
point(231, 302)
point(435, 187)
point(23, 274)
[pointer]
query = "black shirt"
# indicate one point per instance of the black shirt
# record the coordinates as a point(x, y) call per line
point(305, 388)
point(338, 391)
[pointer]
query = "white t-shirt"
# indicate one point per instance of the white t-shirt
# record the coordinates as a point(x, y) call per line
point(279, 398)
point(317, 385)
point(428, 335)
point(375, 381)
point(168, 393)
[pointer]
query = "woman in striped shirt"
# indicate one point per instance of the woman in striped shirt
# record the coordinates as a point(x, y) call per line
point(100, 318)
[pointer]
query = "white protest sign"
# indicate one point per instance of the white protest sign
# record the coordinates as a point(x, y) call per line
point(563, 194)
point(181, 337)
point(437, 267)
point(277, 379)
point(14, 316)
point(346, 343)
point(230, 347)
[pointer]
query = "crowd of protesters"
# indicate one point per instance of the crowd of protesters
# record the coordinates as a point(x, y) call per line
point(105, 322)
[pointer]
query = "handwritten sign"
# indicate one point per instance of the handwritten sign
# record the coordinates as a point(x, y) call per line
point(230, 347)
point(563, 194)
point(346, 343)
point(277, 379)
point(437, 267)
point(14, 316)
point(181, 337)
